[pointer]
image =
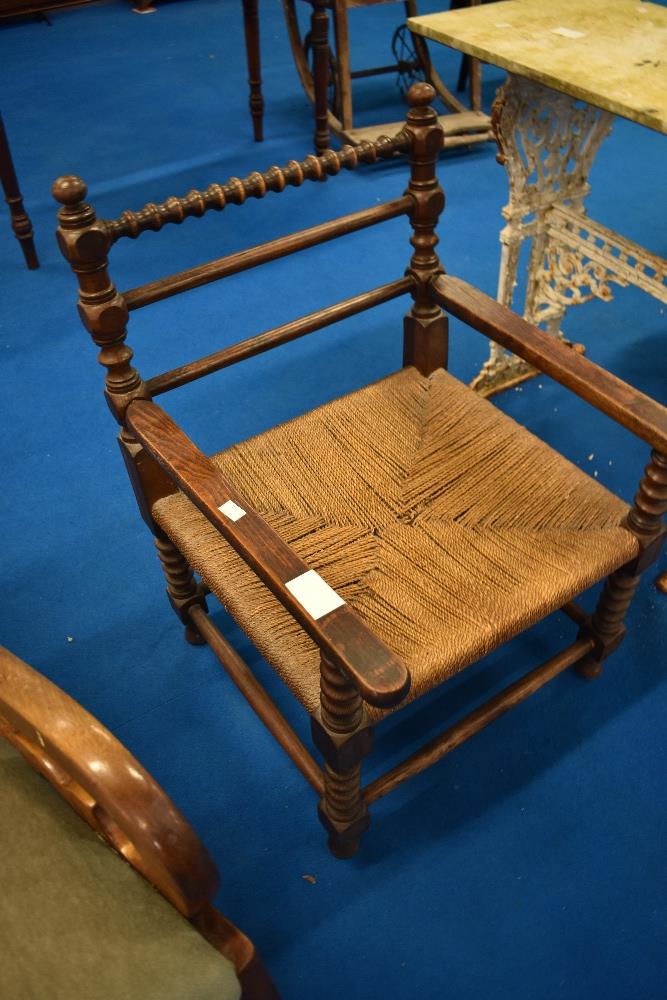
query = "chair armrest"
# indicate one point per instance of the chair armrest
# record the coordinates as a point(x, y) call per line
point(626, 405)
point(104, 783)
point(381, 678)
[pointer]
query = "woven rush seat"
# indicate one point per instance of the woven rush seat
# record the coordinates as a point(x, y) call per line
point(447, 526)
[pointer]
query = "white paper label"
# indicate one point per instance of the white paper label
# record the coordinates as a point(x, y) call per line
point(314, 594)
point(568, 32)
point(232, 510)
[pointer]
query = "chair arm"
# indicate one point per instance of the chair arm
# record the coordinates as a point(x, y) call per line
point(104, 783)
point(622, 402)
point(381, 678)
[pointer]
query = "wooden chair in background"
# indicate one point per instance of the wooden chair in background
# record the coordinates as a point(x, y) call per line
point(441, 527)
point(60, 885)
point(322, 67)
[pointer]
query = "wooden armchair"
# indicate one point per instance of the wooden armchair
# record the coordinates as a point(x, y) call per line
point(74, 920)
point(441, 527)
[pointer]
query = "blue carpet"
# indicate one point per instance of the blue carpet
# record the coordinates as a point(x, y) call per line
point(531, 862)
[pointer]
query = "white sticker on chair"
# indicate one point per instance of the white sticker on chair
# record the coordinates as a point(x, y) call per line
point(314, 594)
point(568, 32)
point(232, 510)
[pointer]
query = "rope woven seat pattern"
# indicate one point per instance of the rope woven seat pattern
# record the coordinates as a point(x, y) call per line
point(446, 526)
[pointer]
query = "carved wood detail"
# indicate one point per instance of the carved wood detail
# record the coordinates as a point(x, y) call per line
point(255, 100)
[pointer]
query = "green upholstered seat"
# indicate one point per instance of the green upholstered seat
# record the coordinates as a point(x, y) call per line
point(76, 921)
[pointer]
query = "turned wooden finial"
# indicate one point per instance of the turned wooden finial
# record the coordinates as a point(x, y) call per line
point(69, 189)
point(421, 94)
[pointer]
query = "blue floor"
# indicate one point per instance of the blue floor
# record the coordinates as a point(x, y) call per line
point(531, 862)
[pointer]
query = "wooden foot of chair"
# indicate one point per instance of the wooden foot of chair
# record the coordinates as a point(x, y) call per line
point(193, 636)
point(342, 811)
point(343, 737)
point(182, 589)
point(589, 668)
point(661, 583)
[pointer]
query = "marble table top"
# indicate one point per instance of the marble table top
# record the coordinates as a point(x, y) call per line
point(610, 53)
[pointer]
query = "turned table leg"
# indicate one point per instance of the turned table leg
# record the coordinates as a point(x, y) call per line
point(20, 221)
point(645, 520)
point(253, 57)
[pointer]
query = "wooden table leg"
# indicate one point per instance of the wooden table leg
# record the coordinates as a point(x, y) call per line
point(256, 100)
point(20, 221)
point(319, 37)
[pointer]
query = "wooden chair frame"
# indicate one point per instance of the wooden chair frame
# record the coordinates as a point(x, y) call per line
point(355, 666)
point(101, 780)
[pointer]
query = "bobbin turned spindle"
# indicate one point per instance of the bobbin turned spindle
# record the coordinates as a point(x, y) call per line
point(645, 520)
point(344, 738)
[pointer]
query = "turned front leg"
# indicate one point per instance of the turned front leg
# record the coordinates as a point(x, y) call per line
point(20, 220)
point(182, 588)
point(645, 520)
point(344, 738)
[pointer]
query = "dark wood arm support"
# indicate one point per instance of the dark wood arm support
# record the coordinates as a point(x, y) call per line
point(104, 783)
point(626, 405)
point(379, 676)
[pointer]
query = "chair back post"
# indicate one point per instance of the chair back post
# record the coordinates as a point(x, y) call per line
point(425, 336)
point(84, 243)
